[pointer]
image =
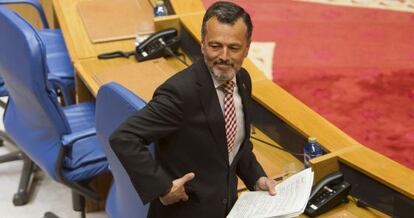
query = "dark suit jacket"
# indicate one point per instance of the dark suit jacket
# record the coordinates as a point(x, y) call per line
point(186, 122)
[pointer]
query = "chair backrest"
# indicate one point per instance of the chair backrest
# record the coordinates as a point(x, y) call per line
point(114, 104)
point(33, 117)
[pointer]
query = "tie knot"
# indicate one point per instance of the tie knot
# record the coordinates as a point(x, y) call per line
point(228, 87)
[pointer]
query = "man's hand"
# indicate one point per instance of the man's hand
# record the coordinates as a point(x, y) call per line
point(266, 184)
point(177, 192)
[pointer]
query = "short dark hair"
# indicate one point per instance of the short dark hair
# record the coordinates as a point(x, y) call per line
point(229, 13)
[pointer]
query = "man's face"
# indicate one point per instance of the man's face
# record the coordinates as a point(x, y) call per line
point(224, 48)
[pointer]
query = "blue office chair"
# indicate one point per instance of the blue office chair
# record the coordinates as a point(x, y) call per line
point(60, 141)
point(114, 104)
point(61, 72)
point(61, 77)
point(21, 197)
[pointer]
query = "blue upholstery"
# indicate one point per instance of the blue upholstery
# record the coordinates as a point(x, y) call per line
point(80, 116)
point(53, 39)
point(58, 140)
point(60, 68)
point(114, 104)
point(3, 90)
point(86, 160)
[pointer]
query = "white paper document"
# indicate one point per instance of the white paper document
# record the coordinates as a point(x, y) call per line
point(290, 200)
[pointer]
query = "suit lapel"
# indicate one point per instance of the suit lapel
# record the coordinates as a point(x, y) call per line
point(243, 92)
point(242, 88)
point(212, 109)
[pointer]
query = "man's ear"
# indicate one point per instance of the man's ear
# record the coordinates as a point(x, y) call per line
point(248, 48)
point(202, 47)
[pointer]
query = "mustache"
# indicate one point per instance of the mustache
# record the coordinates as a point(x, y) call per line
point(223, 62)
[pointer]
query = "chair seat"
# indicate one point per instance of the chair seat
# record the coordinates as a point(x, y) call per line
point(89, 161)
point(80, 116)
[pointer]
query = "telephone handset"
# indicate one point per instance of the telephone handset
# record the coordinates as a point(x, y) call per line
point(157, 45)
point(328, 193)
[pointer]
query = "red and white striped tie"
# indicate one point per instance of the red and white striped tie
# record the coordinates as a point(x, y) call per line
point(229, 114)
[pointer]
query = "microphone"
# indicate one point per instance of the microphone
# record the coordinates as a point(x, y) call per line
point(277, 147)
point(363, 204)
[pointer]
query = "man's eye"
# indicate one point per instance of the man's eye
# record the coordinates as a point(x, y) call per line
point(234, 48)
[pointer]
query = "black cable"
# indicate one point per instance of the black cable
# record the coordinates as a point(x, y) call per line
point(277, 147)
point(168, 49)
point(182, 55)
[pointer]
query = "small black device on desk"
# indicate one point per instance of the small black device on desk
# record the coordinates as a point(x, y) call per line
point(160, 44)
point(328, 193)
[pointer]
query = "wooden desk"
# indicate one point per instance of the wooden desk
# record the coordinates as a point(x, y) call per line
point(77, 40)
point(81, 48)
point(87, 87)
point(381, 169)
point(187, 7)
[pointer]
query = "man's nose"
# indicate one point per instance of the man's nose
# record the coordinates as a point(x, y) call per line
point(224, 55)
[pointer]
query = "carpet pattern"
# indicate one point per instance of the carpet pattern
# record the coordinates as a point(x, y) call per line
point(397, 5)
point(353, 65)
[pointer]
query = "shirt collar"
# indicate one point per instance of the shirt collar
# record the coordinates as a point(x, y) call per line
point(218, 83)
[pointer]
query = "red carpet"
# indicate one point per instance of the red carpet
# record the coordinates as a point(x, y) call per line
point(354, 66)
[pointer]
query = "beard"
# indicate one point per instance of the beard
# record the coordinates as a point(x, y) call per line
point(223, 74)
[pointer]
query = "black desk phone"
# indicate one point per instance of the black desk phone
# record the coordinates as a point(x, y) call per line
point(159, 44)
point(328, 193)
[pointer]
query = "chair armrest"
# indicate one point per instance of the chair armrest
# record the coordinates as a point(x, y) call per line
point(36, 4)
point(69, 139)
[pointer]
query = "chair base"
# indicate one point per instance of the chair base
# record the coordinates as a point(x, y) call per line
point(78, 202)
point(21, 197)
point(50, 215)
